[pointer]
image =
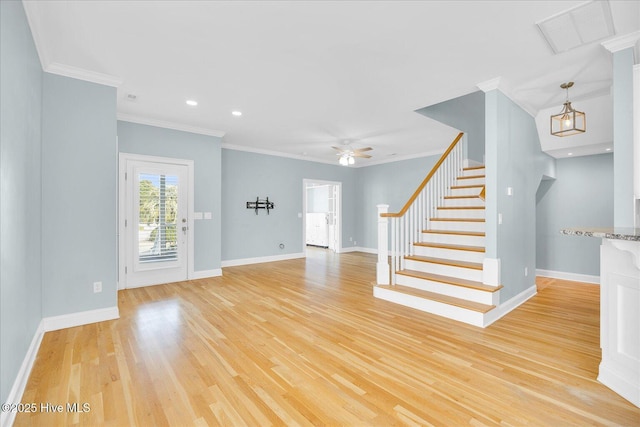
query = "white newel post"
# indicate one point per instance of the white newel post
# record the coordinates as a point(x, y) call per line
point(382, 267)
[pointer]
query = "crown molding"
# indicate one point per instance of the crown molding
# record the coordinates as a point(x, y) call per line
point(496, 84)
point(617, 44)
point(266, 152)
point(169, 125)
point(31, 11)
point(82, 74)
point(333, 163)
point(489, 85)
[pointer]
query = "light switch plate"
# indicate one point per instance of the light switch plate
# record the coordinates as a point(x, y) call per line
point(197, 215)
point(207, 215)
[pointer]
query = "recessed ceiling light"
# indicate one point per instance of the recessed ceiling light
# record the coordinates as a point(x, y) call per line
point(608, 149)
point(569, 154)
point(192, 103)
point(237, 113)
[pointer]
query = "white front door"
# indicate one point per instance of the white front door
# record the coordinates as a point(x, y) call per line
point(156, 223)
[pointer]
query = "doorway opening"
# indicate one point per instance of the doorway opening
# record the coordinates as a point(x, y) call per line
point(322, 214)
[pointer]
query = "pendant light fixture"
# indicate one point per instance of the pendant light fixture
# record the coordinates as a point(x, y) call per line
point(569, 121)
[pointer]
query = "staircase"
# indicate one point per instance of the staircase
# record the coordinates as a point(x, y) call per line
point(441, 272)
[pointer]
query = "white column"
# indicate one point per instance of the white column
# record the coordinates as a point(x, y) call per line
point(382, 267)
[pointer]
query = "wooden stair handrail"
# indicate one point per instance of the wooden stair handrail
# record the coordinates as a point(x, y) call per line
point(415, 195)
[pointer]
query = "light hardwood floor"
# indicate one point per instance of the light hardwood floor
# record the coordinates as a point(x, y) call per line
point(303, 342)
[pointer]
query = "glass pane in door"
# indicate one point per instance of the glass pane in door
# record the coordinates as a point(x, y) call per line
point(157, 213)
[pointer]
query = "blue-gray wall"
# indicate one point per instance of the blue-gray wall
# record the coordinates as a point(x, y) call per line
point(205, 152)
point(20, 191)
point(581, 196)
point(513, 159)
point(79, 177)
point(622, 90)
point(388, 183)
point(246, 176)
point(465, 113)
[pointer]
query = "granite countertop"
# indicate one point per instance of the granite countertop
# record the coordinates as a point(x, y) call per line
point(632, 234)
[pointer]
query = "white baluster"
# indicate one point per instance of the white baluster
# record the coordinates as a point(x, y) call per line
point(394, 251)
point(382, 267)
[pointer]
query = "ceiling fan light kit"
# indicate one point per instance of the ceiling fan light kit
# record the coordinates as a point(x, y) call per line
point(348, 154)
point(569, 121)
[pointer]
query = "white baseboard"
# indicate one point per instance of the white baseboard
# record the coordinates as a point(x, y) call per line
point(205, 274)
point(359, 249)
point(624, 385)
point(20, 383)
point(258, 260)
point(574, 277)
point(510, 305)
point(54, 323)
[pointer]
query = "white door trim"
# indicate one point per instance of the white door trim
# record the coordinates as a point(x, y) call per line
point(305, 183)
point(122, 168)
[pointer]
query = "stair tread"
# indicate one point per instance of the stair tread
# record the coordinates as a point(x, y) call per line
point(450, 246)
point(477, 196)
point(470, 168)
point(459, 219)
point(442, 261)
point(460, 207)
point(467, 186)
point(471, 176)
point(472, 284)
point(457, 302)
point(457, 233)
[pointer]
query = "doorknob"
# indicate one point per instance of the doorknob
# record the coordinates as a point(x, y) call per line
point(184, 229)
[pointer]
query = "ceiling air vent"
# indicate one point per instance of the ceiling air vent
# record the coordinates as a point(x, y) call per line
point(578, 26)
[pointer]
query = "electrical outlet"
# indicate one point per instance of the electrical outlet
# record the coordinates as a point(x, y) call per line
point(355, 243)
point(499, 218)
point(351, 239)
point(526, 271)
point(97, 287)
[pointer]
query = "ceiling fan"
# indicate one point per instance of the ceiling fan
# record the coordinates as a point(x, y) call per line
point(348, 154)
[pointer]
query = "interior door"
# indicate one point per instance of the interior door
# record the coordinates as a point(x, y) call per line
point(156, 223)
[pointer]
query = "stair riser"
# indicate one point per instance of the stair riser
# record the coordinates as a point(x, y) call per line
point(456, 226)
point(474, 191)
point(450, 203)
point(449, 254)
point(453, 239)
point(470, 181)
point(441, 309)
point(476, 295)
point(461, 213)
point(444, 270)
point(473, 172)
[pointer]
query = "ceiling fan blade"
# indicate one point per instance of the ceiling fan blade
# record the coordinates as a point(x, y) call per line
point(362, 149)
point(364, 156)
point(337, 148)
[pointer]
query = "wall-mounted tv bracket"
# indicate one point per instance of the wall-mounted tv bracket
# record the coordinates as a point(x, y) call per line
point(261, 204)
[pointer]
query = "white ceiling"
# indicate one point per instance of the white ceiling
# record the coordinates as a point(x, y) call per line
point(308, 75)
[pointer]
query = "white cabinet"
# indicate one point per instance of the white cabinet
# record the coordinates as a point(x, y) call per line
point(318, 229)
point(620, 317)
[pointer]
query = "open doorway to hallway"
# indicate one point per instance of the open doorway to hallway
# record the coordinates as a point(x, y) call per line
point(322, 217)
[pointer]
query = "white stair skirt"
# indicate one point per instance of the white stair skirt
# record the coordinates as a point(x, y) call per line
point(460, 314)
